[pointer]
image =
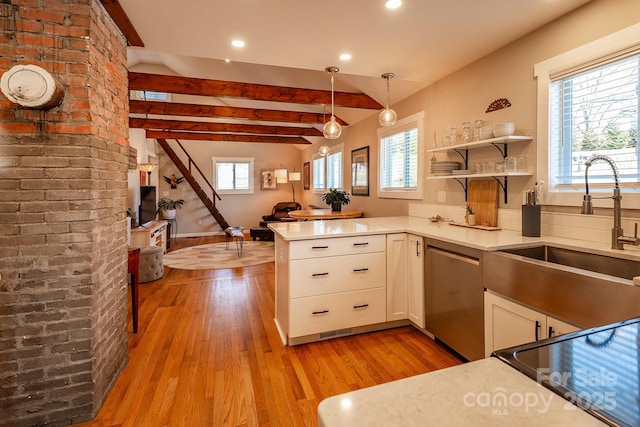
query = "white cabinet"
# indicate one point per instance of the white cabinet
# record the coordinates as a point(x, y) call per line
point(508, 324)
point(324, 287)
point(405, 284)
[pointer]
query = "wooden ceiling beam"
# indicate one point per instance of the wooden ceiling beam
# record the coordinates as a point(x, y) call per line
point(121, 19)
point(198, 110)
point(157, 124)
point(200, 136)
point(221, 88)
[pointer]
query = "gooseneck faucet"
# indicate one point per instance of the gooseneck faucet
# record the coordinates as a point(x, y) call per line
point(618, 240)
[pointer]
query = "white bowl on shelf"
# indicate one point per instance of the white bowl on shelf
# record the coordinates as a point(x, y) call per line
point(504, 129)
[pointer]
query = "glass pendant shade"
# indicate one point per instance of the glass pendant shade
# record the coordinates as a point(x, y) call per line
point(387, 117)
point(324, 150)
point(332, 129)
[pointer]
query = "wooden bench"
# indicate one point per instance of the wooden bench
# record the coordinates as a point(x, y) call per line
point(236, 234)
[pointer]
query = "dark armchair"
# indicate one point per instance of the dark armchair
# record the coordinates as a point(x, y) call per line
point(280, 212)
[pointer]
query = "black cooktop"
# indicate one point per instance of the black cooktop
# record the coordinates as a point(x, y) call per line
point(596, 369)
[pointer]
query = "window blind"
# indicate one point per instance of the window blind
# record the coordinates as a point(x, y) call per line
point(595, 111)
point(399, 157)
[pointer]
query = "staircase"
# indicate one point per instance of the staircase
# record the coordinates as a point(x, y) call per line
point(186, 172)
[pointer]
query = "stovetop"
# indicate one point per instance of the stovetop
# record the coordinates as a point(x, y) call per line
point(596, 369)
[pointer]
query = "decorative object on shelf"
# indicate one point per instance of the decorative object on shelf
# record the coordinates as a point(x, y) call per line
point(332, 128)
point(306, 175)
point(498, 104)
point(471, 216)
point(360, 171)
point(336, 198)
point(387, 117)
point(173, 181)
point(268, 181)
point(148, 167)
point(167, 207)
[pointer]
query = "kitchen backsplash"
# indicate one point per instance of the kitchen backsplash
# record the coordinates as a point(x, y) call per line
point(592, 228)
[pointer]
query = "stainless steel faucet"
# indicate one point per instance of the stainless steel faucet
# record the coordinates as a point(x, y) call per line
point(618, 239)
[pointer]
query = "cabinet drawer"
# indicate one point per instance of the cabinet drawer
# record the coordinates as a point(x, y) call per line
point(324, 313)
point(336, 246)
point(318, 276)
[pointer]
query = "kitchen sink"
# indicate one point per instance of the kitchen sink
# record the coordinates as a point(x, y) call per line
point(581, 288)
point(609, 265)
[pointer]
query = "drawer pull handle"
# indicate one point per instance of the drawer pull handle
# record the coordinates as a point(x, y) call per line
point(356, 270)
point(361, 244)
point(319, 247)
point(319, 274)
point(320, 312)
point(355, 307)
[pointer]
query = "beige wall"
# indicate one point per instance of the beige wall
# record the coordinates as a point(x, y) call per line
point(465, 95)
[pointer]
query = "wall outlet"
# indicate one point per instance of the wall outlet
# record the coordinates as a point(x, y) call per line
point(199, 222)
point(442, 196)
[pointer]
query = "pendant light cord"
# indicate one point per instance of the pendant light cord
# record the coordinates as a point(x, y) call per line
point(332, 74)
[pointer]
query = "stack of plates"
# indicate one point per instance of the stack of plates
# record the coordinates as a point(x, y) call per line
point(444, 168)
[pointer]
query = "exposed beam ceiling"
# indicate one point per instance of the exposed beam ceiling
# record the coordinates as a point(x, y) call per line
point(122, 21)
point(200, 136)
point(179, 125)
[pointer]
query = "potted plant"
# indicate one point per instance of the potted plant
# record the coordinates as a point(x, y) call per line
point(167, 207)
point(471, 216)
point(336, 198)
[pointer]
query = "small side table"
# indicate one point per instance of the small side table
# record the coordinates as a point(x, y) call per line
point(133, 268)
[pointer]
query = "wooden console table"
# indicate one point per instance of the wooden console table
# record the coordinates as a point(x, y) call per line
point(154, 234)
point(133, 268)
point(323, 214)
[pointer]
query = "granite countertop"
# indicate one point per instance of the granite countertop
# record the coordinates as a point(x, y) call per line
point(487, 392)
point(474, 238)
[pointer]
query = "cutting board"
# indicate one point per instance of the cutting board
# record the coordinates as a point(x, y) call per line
point(482, 196)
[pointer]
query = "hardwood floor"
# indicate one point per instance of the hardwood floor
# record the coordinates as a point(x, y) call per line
point(207, 353)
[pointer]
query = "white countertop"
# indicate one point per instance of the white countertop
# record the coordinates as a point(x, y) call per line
point(487, 392)
point(444, 231)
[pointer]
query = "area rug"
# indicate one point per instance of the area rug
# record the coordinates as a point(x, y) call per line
point(215, 256)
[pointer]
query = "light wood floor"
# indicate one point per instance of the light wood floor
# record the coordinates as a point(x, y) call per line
point(207, 353)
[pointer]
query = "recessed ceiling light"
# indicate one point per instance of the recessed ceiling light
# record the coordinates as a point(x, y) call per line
point(237, 43)
point(393, 4)
point(227, 60)
point(345, 56)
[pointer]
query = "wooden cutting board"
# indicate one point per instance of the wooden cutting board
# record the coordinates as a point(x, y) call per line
point(482, 196)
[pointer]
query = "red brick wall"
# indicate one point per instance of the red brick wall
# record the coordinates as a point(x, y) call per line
point(63, 174)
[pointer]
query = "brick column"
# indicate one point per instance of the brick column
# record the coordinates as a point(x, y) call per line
point(63, 185)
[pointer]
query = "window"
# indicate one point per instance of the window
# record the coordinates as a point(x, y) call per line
point(588, 104)
point(400, 167)
point(233, 175)
point(327, 171)
point(147, 95)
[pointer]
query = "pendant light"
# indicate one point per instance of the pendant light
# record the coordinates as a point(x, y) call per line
point(332, 129)
point(387, 116)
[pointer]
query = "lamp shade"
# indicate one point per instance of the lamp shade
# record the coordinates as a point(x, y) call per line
point(149, 167)
point(294, 176)
point(387, 117)
point(281, 176)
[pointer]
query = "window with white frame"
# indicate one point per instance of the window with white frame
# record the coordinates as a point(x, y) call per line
point(400, 164)
point(327, 170)
point(588, 101)
point(233, 175)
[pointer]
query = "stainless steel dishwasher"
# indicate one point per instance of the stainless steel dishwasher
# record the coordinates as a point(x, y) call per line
point(454, 295)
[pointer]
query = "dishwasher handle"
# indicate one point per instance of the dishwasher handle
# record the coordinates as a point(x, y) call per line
point(458, 257)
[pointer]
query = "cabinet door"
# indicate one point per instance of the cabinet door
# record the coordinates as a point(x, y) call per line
point(556, 327)
point(397, 276)
point(415, 255)
point(507, 324)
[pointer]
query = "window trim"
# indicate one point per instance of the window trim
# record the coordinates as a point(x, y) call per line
point(252, 180)
point(544, 71)
point(414, 120)
point(334, 149)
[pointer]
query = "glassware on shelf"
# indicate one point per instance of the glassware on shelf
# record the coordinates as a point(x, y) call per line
point(477, 129)
point(521, 164)
point(465, 132)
